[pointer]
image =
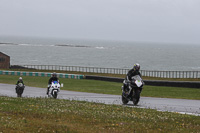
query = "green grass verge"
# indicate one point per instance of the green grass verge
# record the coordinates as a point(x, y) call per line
point(104, 87)
point(57, 115)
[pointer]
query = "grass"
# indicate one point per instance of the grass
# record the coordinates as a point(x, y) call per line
point(104, 87)
point(57, 115)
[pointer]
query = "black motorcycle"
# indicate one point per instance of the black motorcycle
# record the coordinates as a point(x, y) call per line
point(131, 90)
point(20, 89)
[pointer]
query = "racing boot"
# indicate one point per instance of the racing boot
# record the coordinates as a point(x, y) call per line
point(48, 91)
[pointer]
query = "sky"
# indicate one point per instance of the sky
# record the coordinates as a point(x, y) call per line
point(166, 21)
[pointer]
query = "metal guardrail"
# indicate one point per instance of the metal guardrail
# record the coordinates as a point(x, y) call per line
point(147, 73)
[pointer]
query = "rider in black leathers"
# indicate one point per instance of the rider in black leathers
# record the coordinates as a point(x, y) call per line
point(53, 78)
point(134, 71)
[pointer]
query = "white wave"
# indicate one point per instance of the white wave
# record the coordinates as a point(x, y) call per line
point(8, 44)
point(24, 44)
point(33, 45)
point(100, 47)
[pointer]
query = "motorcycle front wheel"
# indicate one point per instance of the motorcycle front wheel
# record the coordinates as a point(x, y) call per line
point(55, 95)
point(19, 92)
point(136, 97)
point(124, 100)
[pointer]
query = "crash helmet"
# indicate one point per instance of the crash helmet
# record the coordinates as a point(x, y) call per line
point(136, 67)
point(20, 78)
point(54, 74)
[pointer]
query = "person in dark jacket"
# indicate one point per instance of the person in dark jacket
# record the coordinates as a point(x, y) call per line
point(53, 78)
point(19, 81)
point(134, 71)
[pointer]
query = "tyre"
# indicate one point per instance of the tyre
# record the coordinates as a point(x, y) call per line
point(19, 92)
point(136, 97)
point(55, 94)
point(124, 100)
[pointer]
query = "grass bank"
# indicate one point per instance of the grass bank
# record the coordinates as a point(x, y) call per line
point(104, 87)
point(56, 115)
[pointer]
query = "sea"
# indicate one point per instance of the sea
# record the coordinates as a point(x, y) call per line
point(101, 53)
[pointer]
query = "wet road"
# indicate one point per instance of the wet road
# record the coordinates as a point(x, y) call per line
point(162, 104)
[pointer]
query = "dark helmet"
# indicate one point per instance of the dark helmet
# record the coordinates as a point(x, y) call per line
point(136, 67)
point(54, 74)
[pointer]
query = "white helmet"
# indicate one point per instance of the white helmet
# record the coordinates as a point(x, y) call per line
point(136, 67)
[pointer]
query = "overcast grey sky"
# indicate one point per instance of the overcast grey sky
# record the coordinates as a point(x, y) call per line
point(174, 21)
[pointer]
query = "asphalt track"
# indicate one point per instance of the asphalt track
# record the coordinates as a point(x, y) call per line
point(183, 106)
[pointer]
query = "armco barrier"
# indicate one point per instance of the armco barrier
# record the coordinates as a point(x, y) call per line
point(151, 82)
point(112, 79)
point(147, 73)
point(41, 74)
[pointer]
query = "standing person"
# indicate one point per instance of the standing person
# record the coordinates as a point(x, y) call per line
point(53, 78)
point(134, 71)
point(19, 81)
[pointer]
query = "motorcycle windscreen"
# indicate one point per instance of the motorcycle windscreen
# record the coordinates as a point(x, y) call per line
point(138, 80)
point(20, 84)
point(55, 82)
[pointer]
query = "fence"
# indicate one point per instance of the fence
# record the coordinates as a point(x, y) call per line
point(41, 74)
point(147, 73)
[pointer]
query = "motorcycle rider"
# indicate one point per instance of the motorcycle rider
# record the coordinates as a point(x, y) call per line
point(53, 78)
point(19, 81)
point(132, 72)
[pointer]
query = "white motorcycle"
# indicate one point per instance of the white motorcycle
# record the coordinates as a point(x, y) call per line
point(54, 89)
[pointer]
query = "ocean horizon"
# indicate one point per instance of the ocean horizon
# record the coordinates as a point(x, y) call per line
point(98, 53)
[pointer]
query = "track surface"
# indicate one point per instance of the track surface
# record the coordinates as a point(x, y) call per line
point(162, 104)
